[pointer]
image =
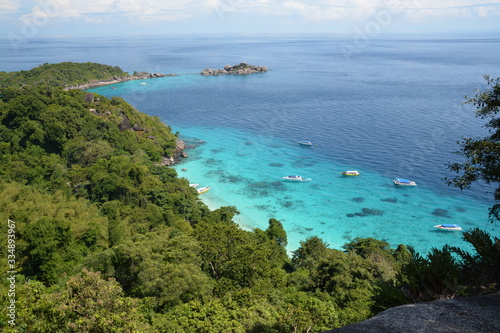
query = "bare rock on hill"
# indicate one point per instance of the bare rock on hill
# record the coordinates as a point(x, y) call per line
point(89, 98)
point(475, 314)
point(125, 124)
point(137, 127)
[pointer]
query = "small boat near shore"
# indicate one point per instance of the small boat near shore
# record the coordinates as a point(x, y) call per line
point(193, 185)
point(305, 143)
point(203, 189)
point(452, 227)
point(350, 173)
point(404, 182)
point(296, 178)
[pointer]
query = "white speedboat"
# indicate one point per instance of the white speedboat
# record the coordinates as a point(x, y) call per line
point(296, 178)
point(453, 227)
point(403, 182)
point(350, 173)
point(203, 189)
point(305, 143)
point(193, 185)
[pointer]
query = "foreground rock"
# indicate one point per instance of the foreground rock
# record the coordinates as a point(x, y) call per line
point(115, 80)
point(475, 314)
point(242, 68)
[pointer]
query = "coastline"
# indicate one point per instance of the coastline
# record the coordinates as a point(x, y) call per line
point(115, 80)
point(214, 202)
point(241, 69)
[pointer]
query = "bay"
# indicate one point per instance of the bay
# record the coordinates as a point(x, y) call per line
point(393, 109)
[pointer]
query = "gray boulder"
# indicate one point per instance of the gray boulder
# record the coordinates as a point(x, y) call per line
point(89, 98)
point(475, 314)
point(125, 124)
point(179, 145)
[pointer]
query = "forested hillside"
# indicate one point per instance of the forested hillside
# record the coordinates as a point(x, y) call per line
point(109, 240)
point(62, 74)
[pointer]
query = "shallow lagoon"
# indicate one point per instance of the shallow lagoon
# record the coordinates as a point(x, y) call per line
point(247, 173)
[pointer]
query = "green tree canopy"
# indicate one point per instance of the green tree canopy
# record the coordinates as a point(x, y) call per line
point(60, 74)
point(482, 155)
point(310, 253)
point(108, 239)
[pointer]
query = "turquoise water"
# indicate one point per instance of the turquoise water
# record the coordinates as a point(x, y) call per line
point(392, 110)
point(245, 170)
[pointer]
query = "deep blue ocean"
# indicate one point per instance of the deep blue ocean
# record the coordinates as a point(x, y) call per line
point(391, 109)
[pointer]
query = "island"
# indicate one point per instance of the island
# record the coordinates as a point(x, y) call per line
point(242, 68)
point(71, 75)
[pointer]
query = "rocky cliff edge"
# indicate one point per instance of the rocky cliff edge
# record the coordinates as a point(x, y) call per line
point(475, 314)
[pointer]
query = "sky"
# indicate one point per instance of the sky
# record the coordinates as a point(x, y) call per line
point(24, 19)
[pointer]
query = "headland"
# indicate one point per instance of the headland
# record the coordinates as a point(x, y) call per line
point(119, 79)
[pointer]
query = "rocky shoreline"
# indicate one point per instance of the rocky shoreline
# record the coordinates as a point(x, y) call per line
point(114, 80)
point(240, 69)
point(179, 153)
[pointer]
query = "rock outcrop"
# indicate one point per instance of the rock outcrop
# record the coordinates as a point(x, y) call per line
point(475, 314)
point(179, 146)
point(89, 98)
point(242, 68)
point(178, 152)
point(125, 124)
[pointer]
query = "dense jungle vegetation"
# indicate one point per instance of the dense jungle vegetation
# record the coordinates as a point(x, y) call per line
point(108, 240)
point(62, 74)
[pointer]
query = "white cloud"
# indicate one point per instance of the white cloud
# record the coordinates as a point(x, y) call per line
point(414, 9)
point(317, 12)
point(8, 7)
point(241, 6)
point(45, 11)
point(488, 11)
point(150, 11)
point(102, 10)
point(419, 10)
